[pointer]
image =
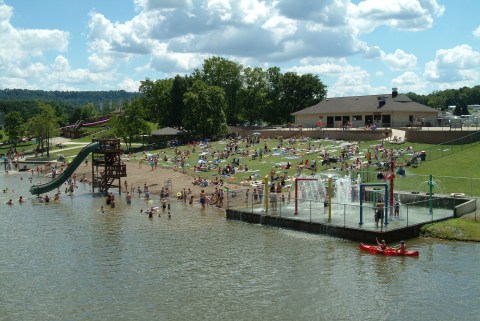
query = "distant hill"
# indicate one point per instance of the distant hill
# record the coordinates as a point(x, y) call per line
point(74, 98)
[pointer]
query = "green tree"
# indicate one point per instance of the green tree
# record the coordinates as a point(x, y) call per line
point(157, 100)
point(437, 101)
point(83, 113)
point(179, 88)
point(253, 95)
point(204, 116)
point(300, 92)
point(130, 122)
point(226, 74)
point(14, 127)
point(43, 127)
point(274, 96)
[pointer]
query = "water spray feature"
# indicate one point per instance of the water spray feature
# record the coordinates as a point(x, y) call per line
point(431, 184)
point(329, 190)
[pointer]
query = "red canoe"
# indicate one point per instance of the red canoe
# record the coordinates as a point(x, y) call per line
point(388, 251)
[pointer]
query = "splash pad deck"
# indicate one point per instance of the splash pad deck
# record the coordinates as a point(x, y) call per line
point(313, 217)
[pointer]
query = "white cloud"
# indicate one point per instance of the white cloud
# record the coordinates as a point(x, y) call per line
point(410, 82)
point(128, 84)
point(281, 28)
point(166, 37)
point(399, 14)
point(23, 52)
point(457, 66)
point(349, 80)
point(19, 46)
point(161, 4)
point(328, 13)
point(171, 63)
point(476, 32)
point(399, 60)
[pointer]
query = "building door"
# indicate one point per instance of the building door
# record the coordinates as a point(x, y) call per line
point(368, 120)
point(330, 122)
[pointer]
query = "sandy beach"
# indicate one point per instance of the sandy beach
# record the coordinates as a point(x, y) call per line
point(138, 175)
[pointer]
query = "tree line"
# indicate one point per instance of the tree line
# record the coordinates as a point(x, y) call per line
point(204, 103)
point(68, 98)
point(224, 92)
point(441, 100)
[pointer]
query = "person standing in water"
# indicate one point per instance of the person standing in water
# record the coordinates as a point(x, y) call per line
point(203, 199)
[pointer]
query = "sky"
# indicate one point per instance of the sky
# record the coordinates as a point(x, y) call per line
point(355, 47)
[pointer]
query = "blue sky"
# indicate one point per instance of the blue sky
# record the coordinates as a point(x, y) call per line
point(355, 47)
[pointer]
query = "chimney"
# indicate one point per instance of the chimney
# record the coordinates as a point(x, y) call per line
point(394, 92)
point(381, 101)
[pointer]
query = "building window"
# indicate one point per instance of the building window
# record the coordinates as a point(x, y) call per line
point(338, 118)
point(410, 118)
point(356, 118)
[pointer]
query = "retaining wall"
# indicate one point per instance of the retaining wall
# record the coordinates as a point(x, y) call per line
point(353, 234)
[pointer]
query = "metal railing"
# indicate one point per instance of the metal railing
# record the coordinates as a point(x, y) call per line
point(420, 210)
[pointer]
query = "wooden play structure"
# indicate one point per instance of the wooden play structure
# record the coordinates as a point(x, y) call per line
point(107, 167)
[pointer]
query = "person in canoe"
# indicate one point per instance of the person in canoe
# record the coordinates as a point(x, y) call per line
point(382, 245)
point(401, 248)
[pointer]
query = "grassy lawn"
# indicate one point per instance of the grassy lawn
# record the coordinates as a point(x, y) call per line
point(460, 180)
point(460, 229)
point(415, 180)
point(454, 172)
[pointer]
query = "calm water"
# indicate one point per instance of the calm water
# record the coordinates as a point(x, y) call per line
point(69, 261)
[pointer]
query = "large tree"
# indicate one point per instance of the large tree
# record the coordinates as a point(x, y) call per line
point(204, 116)
point(14, 127)
point(292, 92)
point(274, 96)
point(130, 122)
point(253, 95)
point(156, 99)
point(83, 113)
point(179, 88)
point(43, 127)
point(226, 74)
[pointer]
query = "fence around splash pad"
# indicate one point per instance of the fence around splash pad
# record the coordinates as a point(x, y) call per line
point(313, 217)
point(418, 183)
point(412, 210)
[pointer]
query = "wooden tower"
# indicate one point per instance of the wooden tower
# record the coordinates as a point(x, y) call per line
point(107, 167)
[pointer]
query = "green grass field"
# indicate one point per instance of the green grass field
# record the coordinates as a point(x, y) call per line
point(455, 172)
point(459, 229)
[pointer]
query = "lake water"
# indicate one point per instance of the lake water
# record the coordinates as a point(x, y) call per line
point(70, 261)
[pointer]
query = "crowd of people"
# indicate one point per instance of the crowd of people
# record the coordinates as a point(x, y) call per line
point(228, 160)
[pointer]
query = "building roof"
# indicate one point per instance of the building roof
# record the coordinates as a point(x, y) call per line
point(168, 131)
point(365, 104)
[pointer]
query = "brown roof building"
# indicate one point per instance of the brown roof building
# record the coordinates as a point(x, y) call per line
point(390, 110)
